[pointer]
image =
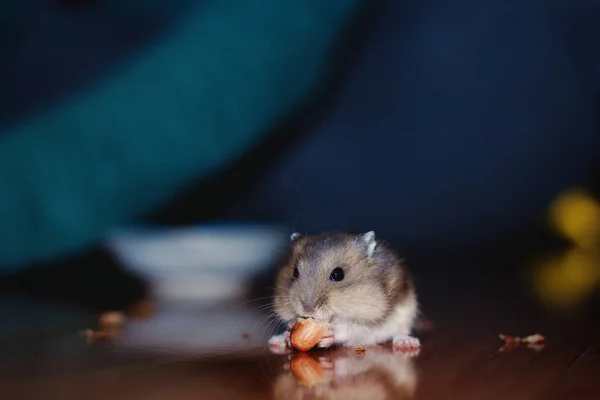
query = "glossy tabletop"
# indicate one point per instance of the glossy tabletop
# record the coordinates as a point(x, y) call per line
point(218, 351)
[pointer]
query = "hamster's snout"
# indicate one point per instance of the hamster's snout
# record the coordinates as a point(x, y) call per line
point(308, 306)
point(312, 307)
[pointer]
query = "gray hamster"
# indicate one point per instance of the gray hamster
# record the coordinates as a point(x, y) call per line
point(357, 285)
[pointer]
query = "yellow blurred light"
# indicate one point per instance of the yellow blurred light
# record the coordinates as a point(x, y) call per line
point(565, 282)
point(575, 215)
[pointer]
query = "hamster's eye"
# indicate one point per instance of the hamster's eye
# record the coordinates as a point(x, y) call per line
point(337, 274)
point(296, 273)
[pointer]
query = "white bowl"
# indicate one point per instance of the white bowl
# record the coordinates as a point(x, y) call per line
point(207, 262)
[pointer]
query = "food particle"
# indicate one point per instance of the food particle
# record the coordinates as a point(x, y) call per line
point(111, 320)
point(306, 333)
point(533, 342)
point(531, 339)
point(93, 336)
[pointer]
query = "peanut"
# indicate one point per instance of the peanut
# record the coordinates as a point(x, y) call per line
point(306, 333)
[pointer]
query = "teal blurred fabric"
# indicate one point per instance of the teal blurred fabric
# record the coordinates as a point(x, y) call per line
point(178, 111)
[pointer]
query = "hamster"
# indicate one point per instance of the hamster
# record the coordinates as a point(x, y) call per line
point(357, 285)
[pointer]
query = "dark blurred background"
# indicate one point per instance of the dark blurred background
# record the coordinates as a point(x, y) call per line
point(448, 127)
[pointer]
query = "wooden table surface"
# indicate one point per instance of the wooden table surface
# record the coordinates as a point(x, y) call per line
point(219, 352)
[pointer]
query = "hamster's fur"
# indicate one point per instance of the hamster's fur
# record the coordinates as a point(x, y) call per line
point(374, 302)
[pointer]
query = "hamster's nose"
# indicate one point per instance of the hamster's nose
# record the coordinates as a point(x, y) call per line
point(308, 306)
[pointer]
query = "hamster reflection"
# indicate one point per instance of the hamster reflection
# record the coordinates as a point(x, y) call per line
point(379, 373)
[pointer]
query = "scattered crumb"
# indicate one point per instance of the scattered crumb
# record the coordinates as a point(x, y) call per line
point(110, 326)
point(361, 351)
point(508, 347)
point(531, 339)
point(111, 320)
point(88, 334)
point(91, 336)
point(246, 336)
point(536, 346)
point(533, 342)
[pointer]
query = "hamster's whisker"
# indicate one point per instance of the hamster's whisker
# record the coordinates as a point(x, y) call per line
point(271, 289)
point(254, 300)
point(265, 306)
point(264, 319)
point(274, 320)
point(271, 318)
point(270, 329)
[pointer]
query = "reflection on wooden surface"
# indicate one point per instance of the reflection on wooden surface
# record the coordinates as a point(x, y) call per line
point(220, 351)
point(378, 373)
point(459, 359)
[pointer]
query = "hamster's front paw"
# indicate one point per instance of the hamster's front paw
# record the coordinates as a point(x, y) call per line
point(280, 344)
point(327, 340)
point(406, 344)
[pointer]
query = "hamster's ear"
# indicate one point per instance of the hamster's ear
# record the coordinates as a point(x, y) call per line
point(294, 236)
point(368, 241)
